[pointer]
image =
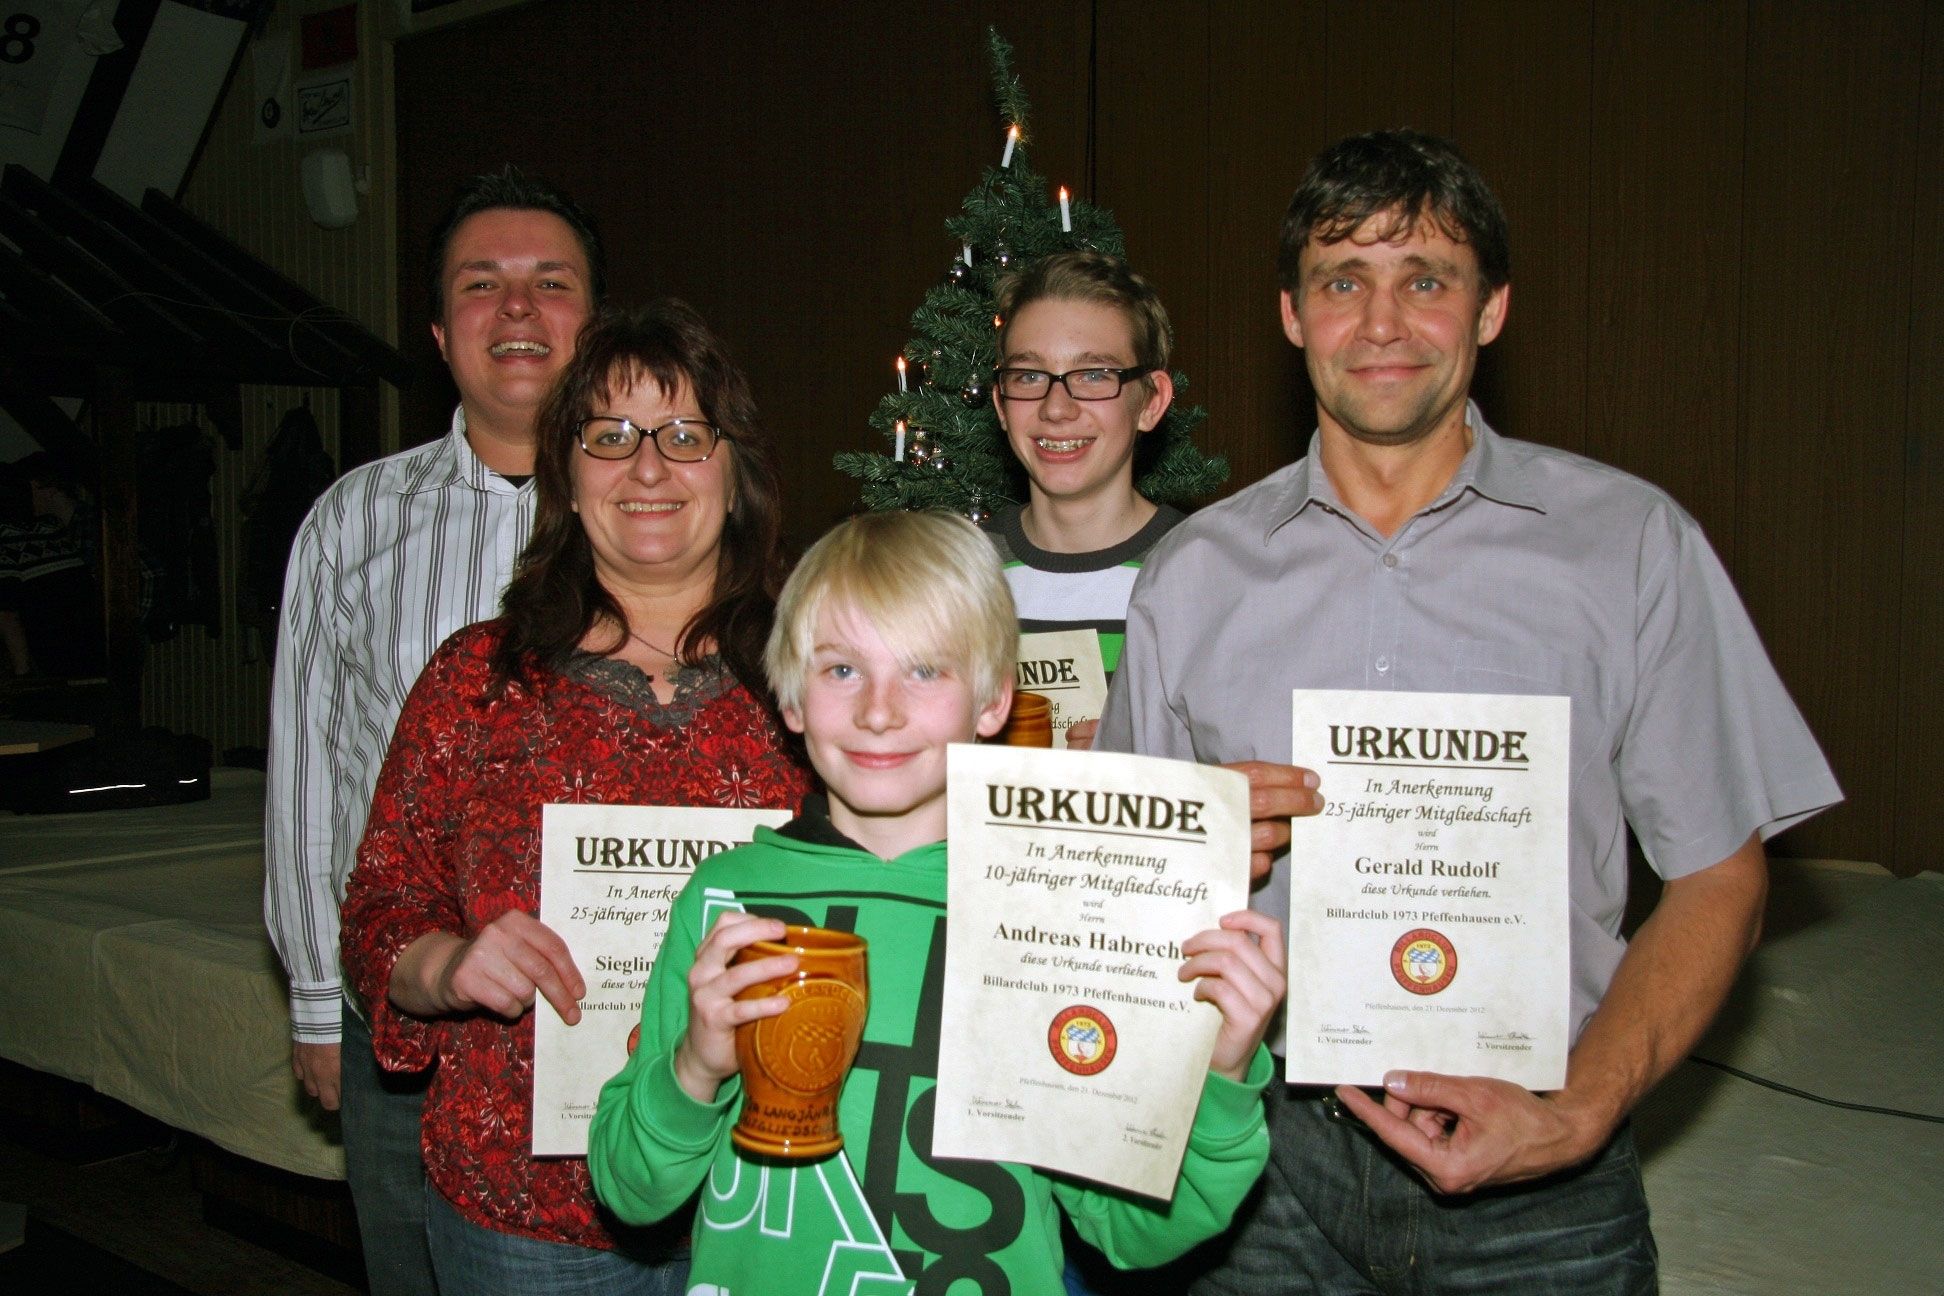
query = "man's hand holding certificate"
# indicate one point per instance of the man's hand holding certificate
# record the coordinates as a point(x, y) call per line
point(1071, 1041)
point(1428, 902)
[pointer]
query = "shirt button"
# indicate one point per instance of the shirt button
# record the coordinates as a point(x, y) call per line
point(1383, 664)
point(1390, 560)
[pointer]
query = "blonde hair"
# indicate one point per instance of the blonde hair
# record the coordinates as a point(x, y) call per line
point(929, 583)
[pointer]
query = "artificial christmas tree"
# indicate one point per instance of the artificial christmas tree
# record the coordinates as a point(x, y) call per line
point(946, 448)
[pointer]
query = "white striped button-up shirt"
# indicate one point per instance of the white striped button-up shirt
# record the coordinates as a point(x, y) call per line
point(393, 558)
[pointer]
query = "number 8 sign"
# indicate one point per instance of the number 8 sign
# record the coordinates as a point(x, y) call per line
point(36, 38)
point(18, 43)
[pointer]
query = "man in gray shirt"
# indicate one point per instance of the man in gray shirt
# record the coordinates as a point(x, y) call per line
point(1414, 549)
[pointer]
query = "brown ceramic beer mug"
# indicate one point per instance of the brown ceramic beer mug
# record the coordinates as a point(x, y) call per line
point(1029, 723)
point(793, 1066)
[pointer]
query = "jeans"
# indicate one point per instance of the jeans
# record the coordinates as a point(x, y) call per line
point(1338, 1213)
point(385, 1167)
point(480, 1261)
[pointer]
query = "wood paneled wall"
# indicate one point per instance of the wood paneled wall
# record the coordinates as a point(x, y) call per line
point(1917, 769)
point(1726, 243)
point(787, 170)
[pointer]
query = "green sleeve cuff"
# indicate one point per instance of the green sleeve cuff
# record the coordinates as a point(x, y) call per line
point(1231, 1110)
point(682, 1123)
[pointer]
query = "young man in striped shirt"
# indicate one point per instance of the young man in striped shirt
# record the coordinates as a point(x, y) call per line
point(1083, 355)
point(395, 556)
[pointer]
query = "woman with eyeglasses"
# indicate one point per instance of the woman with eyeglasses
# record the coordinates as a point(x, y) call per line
point(625, 668)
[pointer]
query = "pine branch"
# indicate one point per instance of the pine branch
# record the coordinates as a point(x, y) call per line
point(1005, 85)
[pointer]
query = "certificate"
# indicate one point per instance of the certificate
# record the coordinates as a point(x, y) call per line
point(1064, 667)
point(1074, 878)
point(608, 876)
point(1428, 926)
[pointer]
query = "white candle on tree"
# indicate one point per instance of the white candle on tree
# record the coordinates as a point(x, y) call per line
point(901, 375)
point(1066, 212)
point(898, 453)
point(1012, 138)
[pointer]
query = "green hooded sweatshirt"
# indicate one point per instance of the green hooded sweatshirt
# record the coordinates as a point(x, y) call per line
point(883, 1215)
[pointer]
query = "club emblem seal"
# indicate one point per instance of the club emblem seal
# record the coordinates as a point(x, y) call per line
point(805, 1049)
point(1423, 961)
point(1082, 1039)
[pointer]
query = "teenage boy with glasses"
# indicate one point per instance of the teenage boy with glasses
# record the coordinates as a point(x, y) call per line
point(1083, 354)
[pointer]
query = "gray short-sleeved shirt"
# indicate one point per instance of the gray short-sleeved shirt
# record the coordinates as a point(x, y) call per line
point(1536, 571)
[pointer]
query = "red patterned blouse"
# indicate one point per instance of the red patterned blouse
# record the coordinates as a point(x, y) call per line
point(454, 841)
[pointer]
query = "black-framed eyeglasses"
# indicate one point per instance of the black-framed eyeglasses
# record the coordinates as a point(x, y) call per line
point(678, 440)
point(1081, 384)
